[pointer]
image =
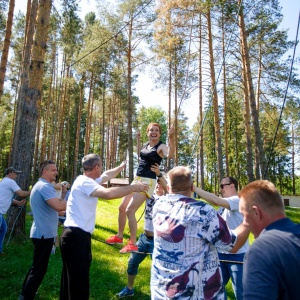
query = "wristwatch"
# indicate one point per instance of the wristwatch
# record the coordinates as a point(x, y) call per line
point(160, 175)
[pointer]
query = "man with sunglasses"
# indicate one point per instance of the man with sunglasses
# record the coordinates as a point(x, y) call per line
point(231, 264)
point(45, 207)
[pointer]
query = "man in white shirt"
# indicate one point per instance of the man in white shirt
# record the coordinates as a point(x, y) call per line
point(9, 188)
point(80, 224)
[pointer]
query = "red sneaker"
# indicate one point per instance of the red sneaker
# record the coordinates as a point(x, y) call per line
point(129, 248)
point(114, 240)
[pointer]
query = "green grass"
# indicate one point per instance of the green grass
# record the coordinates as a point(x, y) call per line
point(108, 269)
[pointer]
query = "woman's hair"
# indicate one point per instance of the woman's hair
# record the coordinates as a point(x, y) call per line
point(154, 124)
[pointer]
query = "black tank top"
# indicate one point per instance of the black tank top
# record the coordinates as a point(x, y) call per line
point(148, 157)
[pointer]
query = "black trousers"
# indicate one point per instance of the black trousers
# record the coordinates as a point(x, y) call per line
point(76, 255)
point(36, 273)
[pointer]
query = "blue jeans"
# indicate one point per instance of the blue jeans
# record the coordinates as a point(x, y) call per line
point(145, 245)
point(234, 271)
point(3, 229)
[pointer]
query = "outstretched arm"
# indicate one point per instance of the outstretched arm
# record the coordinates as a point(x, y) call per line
point(118, 192)
point(109, 174)
point(211, 198)
point(168, 151)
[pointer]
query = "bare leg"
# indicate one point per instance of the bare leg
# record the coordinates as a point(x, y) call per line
point(130, 281)
point(122, 215)
point(136, 201)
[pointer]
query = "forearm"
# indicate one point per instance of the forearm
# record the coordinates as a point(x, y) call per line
point(242, 233)
point(209, 197)
point(115, 192)
point(22, 193)
point(109, 174)
point(57, 204)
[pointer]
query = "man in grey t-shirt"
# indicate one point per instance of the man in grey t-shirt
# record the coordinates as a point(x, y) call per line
point(44, 207)
point(231, 263)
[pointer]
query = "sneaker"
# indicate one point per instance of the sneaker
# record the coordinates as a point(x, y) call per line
point(126, 292)
point(114, 240)
point(129, 248)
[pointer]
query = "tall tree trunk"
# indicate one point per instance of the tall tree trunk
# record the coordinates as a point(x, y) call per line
point(129, 101)
point(88, 117)
point(225, 98)
point(259, 150)
point(31, 17)
point(218, 142)
point(24, 140)
point(249, 151)
point(78, 127)
point(170, 105)
point(201, 141)
point(6, 45)
point(175, 111)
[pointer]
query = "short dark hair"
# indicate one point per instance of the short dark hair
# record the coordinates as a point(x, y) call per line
point(233, 181)
point(89, 161)
point(44, 163)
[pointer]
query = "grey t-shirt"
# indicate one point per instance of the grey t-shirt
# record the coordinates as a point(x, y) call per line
point(233, 219)
point(44, 216)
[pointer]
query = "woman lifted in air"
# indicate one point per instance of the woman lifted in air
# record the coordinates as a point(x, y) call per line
point(151, 155)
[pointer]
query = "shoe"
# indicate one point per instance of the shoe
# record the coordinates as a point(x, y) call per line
point(53, 250)
point(129, 248)
point(126, 292)
point(114, 240)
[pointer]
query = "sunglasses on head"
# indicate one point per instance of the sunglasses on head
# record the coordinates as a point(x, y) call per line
point(45, 163)
point(223, 184)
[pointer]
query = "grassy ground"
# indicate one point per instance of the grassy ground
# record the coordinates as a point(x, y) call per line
point(108, 269)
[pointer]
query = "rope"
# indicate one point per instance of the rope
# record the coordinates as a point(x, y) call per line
point(14, 224)
point(284, 99)
point(112, 37)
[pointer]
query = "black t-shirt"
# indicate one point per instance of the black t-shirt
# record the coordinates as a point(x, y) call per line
point(148, 157)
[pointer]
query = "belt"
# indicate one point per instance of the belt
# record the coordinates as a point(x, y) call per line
point(149, 237)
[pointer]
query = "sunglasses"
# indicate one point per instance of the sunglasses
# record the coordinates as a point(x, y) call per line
point(45, 163)
point(223, 184)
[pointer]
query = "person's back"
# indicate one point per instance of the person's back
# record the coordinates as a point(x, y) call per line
point(274, 257)
point(185, 259)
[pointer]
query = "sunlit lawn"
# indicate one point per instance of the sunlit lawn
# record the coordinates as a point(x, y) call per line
point(108, 269)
